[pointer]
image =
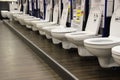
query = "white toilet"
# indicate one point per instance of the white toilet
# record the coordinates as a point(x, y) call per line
point(62, 24)
point(16, 15)
point(92, 28)
point(22, 17)
point(101, 47)
point(28, 22)
point(116, 54)
point(61, 20)
point(76, 25)
point(55, 21)
point(12, 13)
point(47, 19)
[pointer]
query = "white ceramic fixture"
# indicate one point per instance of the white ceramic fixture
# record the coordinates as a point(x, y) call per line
point(101, 47)
point(91, 30)
point(116, 54)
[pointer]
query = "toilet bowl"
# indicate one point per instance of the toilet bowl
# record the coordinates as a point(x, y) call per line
point(116, 54)
point(11, 13)
point(34, 24)
point(91, 31)
point(47, 30)
point(4, 13)
point(63, 20)
point(77, 39)
point(59, 34)
point(15, 17)
point(42, 25)
point(27, 21)
point(101, 47)
point(22, 17)
point(27, 18)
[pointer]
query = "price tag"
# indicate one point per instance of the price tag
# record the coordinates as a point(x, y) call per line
point(79, 13)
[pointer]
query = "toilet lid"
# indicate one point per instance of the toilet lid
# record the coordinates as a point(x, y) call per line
point(102, 42)
point(64, 30)
point(116, 50)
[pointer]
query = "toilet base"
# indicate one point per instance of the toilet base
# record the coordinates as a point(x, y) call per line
point(19, 22)
point(107, 62)
point(68, 45)
point(11, 19)
point(34, 29)
point(116, 58)
point(48, 36)
point(41, 32)
point(83, 51)
point(29, 27)
point(55, 41)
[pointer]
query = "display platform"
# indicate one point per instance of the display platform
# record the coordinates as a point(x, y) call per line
point(67, 63)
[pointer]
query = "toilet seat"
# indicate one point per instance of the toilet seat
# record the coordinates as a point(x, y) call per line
point(37, 22)
point(48, 29)
point(31, 19)
point(34, 24)
point(22, 19)
point(63, 30)
point(41, 25)
point(59, 33)
point(11, 13)
point(102, 42)
point(28, 22)
point(79, 35)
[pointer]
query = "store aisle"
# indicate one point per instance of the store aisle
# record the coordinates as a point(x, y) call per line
point(19, 62)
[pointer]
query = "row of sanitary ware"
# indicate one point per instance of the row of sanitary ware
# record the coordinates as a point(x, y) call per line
point(88, 42)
